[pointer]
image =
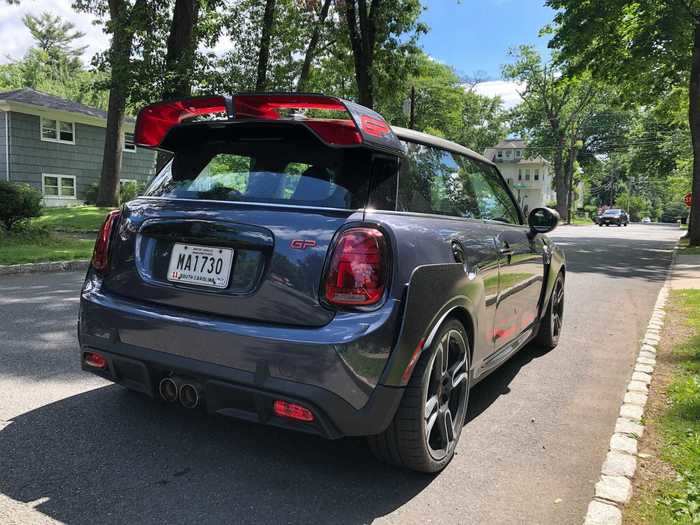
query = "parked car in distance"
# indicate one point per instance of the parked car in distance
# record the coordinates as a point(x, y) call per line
point(614, 216)
point(646, 220)
point(335, 276)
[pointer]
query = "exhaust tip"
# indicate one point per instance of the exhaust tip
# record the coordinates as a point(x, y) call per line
point(168, 390)
point(189, 395)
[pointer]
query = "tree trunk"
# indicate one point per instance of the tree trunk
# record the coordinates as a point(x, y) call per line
point(570, 160)
point(264, 54)
point(179, 58)
point(119, 55)
point(560, 180)
point(694, 118)
point(362, 40)
point(313, 44)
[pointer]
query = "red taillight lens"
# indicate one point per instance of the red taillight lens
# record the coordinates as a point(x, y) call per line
point(100, 256)
point(292, 411)
point(154, 121)
point(337, 132)
point(95, 360)
point(357, 271)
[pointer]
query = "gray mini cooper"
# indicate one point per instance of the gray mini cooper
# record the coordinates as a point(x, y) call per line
point(301, 263)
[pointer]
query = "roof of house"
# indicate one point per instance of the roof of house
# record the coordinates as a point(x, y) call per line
point(44, 100)
point(511, 144)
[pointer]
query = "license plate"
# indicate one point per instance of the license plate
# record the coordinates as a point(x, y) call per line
point(200, 265)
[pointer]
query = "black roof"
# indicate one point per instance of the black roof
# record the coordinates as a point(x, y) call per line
point(44, 100)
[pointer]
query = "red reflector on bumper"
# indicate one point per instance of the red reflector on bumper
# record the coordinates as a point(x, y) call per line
point(94, 360)
point(292, 411)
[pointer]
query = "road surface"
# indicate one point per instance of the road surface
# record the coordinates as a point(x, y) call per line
point(76, 449)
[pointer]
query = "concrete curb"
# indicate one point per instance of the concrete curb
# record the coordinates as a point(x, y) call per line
point(614, 489)
point(58, 266)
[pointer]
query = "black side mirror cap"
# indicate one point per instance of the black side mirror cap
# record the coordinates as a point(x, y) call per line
point(542, 220)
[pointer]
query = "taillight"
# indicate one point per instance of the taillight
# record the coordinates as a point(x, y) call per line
point(357, 271)
point(292, 411)
point(95, 360)
point(100, 256)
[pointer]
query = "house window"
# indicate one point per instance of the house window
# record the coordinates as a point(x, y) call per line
point(510, 182)
point(57, 131)
point(129, 144)
point(61, 186)
point(537, 174)
point(527, 174)
point(520, 174)
point(517, 153)
point(500, 155)
point(508, 154)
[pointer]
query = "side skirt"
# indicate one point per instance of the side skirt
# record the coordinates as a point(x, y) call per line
point(500, 356)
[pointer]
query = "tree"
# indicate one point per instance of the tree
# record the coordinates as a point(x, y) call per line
point(56, 37)
point(553, 110)
point(264, 52)
point(380, 26)
point(181, 48)
point(646, 46)
point(124, 19)
point(313, 45)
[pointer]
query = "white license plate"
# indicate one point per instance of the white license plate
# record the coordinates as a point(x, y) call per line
point(201, 265)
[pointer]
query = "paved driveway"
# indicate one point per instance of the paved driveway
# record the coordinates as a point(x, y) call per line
point(76, 449)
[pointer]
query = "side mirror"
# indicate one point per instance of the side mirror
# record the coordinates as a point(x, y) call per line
point(542, 220)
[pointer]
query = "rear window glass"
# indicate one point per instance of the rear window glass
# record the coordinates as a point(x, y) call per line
point(269, 171)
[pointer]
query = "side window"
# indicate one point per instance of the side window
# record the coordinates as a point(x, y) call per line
point(432, 180)
point(492, 197)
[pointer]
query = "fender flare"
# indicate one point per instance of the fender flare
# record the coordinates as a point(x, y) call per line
point(434, 292)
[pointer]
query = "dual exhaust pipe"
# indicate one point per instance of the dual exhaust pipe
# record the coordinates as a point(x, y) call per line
point(175, 388)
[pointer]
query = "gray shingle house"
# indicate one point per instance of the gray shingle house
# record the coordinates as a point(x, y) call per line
point(56, 145)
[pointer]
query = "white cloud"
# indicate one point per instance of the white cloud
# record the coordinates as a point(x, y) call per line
point(506, 89)
point(16, 39)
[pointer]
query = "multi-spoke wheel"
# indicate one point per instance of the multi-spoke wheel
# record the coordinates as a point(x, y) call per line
point(429, 421)
point(552, 322)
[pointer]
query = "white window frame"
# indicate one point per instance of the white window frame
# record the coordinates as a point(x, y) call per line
point(133, 144)
point(59, 177)
point(517, 153)
point(58, 130)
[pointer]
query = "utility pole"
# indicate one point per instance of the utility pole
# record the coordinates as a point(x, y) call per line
point(412, 118)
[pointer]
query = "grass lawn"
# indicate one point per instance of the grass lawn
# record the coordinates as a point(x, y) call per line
point(669, 491)
point(684, 249)
point(73, 219)
point(581, 221)
point(18, 249)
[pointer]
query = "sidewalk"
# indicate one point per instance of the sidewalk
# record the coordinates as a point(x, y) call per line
point(686, 272)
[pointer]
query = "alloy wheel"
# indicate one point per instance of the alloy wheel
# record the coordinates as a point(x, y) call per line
point(446, 395)
point(558, 308)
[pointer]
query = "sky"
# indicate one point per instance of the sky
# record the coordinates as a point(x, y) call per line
point(473, 36)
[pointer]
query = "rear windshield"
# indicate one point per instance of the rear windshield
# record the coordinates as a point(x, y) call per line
point(276, 170)
point(612, 212)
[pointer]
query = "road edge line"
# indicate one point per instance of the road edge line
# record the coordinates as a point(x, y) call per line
point(57, 266)
point(614, 487)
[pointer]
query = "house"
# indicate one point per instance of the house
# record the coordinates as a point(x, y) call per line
point(56, 145)
point(529, 177)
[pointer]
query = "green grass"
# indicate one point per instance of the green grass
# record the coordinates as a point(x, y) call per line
point(74, 219)
point(678, 501)
point(685, 249)
point(23, 248)
point(580, 221)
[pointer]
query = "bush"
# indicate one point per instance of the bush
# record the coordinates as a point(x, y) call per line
point(128, 191)
point(673, 212)
point(90, 194)
point(18, 202)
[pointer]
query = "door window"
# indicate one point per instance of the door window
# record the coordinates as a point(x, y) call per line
point(490, 194)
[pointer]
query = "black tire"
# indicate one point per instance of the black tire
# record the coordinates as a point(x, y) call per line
point(410, 439)
point(551, 324)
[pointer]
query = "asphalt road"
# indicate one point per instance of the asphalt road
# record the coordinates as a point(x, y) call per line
point(76, 449)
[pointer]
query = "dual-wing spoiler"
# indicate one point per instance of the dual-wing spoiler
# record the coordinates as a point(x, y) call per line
point(349, 124)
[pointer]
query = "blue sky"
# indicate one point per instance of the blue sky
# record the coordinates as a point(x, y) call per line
point(475, 35)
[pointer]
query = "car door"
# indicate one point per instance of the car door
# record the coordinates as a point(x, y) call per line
point(521, 261)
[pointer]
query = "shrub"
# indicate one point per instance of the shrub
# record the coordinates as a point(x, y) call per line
point(673, 212)
point(90, 194)
point(128, 191)
point(18, 202)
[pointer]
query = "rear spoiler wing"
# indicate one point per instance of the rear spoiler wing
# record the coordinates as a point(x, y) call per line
point(359, 125)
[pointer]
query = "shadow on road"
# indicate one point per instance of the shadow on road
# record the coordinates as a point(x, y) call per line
point(617, 257)
point(111, 456)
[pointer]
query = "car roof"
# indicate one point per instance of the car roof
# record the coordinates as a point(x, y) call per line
point(412, 135)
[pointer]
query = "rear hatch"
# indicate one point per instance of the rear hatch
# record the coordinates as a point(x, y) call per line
point(240, 222)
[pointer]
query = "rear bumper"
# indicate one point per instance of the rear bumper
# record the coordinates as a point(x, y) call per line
point(249, 396)
point(334, 370)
